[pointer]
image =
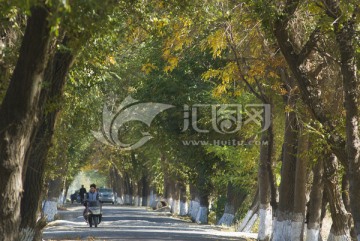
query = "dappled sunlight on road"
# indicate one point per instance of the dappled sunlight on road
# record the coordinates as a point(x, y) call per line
point(133, 223)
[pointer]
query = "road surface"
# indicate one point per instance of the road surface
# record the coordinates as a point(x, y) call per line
point(132, 223)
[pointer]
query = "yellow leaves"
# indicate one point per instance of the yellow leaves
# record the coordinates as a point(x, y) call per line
point(159, 23)
point(176, 43)
point(288, 109)
point(148, 67)
point(219, 90)
point(136, 34)
point(111, 60)
point(258, 69)
point(181, 35)
point(278, 88)
point(211, 73)
point(172, 63)
point(227, 75)
point(217, 42)
point(272, 74)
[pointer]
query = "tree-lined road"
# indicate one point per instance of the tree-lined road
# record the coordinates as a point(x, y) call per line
point(131, 223)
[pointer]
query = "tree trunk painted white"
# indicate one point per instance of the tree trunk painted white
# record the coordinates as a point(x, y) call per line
point(175, 207)
point(170, 202)
point(297, 227)
point(228, 216)
point(148, 203)
point(265, 226)
point(136, 201)
point(27, 234)
point(119, 200)
point(202, 215)
point(50, 210)
point(184, 210)
point(61, 199)
point(194, 209)
point(226, 219)
point(282, 230)
point(152, 199)
point(128, 199)
point(154, 204)
point(312, 234)
point(340, 237)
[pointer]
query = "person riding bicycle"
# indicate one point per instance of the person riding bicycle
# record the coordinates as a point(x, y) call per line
point(92, 195)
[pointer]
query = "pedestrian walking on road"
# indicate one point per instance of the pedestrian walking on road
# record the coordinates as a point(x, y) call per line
point(82, 194)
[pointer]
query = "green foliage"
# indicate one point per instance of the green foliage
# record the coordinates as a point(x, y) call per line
point(180, 53)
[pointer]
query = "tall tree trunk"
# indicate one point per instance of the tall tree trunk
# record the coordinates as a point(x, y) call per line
point(204, 187)
point(297, 224)
point(138, 196)
point(309, 90)
point(265, 210)
point(145, 190)
point(175, 207)
point(202, 215)
point(346, 37)
point(129, 190)
point(184, 209)
point(340, 227)
point(270, 158)
point(345, 26)
point(345, 188)
point(55, 188)
point(55, 75)
point(116, 183)
point(313, 217)
point(282, 228)
point(194, 202)
point(18, 112)
point(169, 186)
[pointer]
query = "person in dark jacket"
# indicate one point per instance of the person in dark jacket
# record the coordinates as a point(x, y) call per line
point(82, 193)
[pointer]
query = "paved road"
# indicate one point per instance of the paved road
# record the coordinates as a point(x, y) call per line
point(131, 223)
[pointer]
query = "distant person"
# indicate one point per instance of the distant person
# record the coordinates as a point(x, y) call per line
point(82, 193)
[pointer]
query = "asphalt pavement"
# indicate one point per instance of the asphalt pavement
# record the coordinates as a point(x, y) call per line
point(132, 223)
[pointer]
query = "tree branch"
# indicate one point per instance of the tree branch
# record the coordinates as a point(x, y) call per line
point(309, 46)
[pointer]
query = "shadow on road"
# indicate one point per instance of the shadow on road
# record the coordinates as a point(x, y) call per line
point(131, 223)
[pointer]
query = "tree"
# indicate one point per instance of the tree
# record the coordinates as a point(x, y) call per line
point(344, 35)
point(18, 111)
